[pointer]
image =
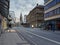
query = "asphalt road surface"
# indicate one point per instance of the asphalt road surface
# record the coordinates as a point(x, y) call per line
point(38, 37)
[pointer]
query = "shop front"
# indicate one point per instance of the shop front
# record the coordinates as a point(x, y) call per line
point(52, 24)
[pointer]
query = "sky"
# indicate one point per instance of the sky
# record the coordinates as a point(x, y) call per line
point(23, 6)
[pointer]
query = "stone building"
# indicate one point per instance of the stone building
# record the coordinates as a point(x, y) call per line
point(36, 16)
point(21, 19)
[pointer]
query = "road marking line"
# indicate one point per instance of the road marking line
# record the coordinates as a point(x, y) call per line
point(44, 38)
point(31, 41)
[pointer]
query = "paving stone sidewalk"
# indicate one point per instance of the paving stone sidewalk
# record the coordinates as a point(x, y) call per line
point(12, 38)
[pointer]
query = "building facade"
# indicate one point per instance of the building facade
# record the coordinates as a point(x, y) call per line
point(4, 12)
point(12, 15)
point(21, 18)
point(4, 8)
point(25, 18)
point(36, 16)
point(52, 14)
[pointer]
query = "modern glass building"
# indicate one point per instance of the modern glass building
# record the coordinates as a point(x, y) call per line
point(52, 14)
point(4, 8)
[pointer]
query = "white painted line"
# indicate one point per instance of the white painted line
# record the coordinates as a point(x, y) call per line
point(44, 38)
point(28, 38)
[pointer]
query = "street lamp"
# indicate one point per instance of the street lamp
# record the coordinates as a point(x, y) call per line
point(32, 26)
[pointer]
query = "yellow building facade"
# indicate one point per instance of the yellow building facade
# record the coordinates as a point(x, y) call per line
point(4, 23)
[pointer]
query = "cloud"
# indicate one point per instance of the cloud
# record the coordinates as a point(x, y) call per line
point(23, 6)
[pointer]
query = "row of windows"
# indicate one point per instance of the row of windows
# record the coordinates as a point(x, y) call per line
point(4, 12)
point(4, 2)
point(51, 13)
point(4, 8)
point(51, 4)
point(3, 5)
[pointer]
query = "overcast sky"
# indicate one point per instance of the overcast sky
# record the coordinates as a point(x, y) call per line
point(23, 6)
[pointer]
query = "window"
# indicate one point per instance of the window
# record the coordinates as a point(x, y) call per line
point(54, 12)
point(58, 10)
point(57, 1)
